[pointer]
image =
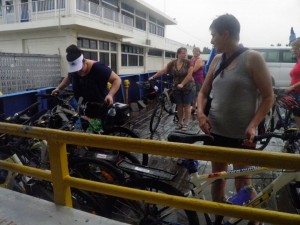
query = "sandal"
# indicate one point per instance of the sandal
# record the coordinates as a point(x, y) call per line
point(179, 126)
point(185, 127)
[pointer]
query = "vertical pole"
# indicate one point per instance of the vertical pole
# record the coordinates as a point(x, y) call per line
point(126, 84)
point(59, 170)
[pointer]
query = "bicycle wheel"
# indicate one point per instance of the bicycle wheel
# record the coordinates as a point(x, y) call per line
point(294, 194)
point(132, 157)
point(41, 189)
point(86, 202)
point(169, 107)
point(96, 170)
point(81, 200)
point(156, 117)
point(141, 213)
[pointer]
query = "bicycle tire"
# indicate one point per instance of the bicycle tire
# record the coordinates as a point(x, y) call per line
point(101, 171)
point(156, 117)
point(269, 121)
point(169, 107)
point(41, 190)
point(294, 194)
point(133, 157)
point(141, 213)
point(81, 200)
point(84, 201)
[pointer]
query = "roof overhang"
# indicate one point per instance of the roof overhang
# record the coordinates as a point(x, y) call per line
point(161, 16)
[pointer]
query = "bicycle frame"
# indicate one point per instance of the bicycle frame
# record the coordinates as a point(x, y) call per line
point(201, 182)
point(276, 118)
point(10, 177)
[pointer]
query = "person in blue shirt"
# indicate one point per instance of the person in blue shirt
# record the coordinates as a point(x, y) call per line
point(212, 54)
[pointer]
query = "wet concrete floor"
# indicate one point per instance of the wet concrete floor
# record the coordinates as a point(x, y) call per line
point(140, 122)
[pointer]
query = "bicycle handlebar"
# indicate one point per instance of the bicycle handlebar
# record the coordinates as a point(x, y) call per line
point(177, 136)
point(56, 97)
point(287, 135)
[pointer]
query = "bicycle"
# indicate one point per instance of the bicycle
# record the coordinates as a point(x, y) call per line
point(286, 177)
point(164, 104)
point(144, 178)
point(65, 117)
point(280, 116)
point(33, 153)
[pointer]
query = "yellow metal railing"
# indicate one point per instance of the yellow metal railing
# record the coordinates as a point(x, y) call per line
point(62, 181)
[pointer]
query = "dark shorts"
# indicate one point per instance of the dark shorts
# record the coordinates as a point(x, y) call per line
point(296, 112)
point(198, 87)
point(182, 97)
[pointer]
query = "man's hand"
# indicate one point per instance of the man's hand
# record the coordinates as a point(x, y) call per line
point(204, 123)
point(179, 86)
point(109, 100)
point(250, 135)
point(55, 91)
point(150, 78)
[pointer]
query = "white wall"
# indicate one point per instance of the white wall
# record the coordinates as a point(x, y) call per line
point(155, 63)
point(11, 46)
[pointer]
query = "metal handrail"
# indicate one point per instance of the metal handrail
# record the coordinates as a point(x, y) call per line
point(62, 181)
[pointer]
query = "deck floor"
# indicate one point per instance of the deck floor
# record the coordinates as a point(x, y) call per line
point(139, 123)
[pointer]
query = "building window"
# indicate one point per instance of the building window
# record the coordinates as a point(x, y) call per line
point(141, 60)
point(152, 28)
point(132, 56)
point(170, 54)
point(104, 45)
point(113, 47)
point(111, 2)
point(127, 7)
point(140, 23)
point(104, 58)
point(160, 31)
point(99, 50)
point(124, 60)
point(90, 55)
point(133, 60)
point(140, 14)
point(156, 27)
point(87, 43)
point(155, 52)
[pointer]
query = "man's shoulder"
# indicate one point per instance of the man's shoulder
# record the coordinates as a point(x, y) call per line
point(100, 66)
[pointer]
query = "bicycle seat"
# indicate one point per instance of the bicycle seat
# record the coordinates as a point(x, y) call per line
point(188, 138)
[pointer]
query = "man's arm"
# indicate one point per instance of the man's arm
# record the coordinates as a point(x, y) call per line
point(262, 78)
point(64, 83)
point(159, 73)
point(115, 81)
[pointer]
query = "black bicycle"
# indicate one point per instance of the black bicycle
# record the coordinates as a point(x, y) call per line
point(280, 116)
point(164, 102)
point(63, 116)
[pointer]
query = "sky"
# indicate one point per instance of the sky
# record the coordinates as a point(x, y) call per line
point(263, 22)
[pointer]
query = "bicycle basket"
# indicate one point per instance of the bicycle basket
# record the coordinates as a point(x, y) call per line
point(288, 102)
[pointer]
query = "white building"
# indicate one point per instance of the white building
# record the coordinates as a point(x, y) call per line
point(127, 35)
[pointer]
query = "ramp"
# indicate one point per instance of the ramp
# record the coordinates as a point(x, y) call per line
point(20, 209)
